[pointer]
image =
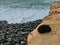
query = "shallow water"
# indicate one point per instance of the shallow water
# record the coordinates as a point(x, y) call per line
point(20, 11)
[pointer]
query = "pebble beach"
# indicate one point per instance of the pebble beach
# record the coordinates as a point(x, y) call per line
point(16, 34)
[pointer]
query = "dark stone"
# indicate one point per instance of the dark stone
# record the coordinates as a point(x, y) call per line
point(12, 34)
point(44, 29)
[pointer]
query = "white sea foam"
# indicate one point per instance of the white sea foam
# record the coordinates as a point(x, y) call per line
point(20, 11)
point(20, 15)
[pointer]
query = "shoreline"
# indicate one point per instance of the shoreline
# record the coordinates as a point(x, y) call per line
point(13, 33)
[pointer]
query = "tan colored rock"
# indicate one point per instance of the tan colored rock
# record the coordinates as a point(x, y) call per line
point(50, 38)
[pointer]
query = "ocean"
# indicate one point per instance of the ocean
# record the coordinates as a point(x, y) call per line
point(22, 11)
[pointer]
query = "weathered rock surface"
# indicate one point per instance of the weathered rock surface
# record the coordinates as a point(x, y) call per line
point(48, 38)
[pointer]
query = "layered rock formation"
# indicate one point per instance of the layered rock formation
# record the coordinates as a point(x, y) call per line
point(48, 32)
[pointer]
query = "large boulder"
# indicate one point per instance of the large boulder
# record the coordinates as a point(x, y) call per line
point(48, 32)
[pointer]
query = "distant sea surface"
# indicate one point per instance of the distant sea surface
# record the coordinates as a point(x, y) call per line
point(20, 11)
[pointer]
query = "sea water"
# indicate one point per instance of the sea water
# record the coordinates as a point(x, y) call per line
point(20, 11)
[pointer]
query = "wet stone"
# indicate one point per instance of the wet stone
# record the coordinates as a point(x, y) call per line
point(11, 34)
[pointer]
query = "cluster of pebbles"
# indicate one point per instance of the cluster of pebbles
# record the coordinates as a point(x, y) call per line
point(13, 34)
